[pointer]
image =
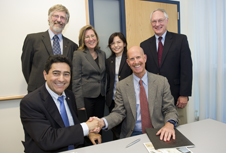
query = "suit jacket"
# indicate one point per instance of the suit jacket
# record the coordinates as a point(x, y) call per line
point(176, 63)
point(88, 78)
point(43, 126)
point(36, 50)
point(124, 71)
point(160, 102)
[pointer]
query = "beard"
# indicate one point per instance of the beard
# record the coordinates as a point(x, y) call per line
point(56, 28)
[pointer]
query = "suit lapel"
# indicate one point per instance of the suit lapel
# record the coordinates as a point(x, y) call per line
point(65, 46)
point(152, 88)
point(123, 62)
point(131, 95)
point(167, 44)
point(51, 106)
point(153, 50)
point(112, 66)
point(101, 59)
point(46, 41)
point(69, 102)
point(91, 60)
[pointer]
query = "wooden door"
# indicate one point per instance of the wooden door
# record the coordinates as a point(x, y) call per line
point(138, 25)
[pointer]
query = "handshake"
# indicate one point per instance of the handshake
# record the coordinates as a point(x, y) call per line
point(95, 124)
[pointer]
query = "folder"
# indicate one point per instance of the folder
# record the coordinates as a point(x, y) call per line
point(180, 141)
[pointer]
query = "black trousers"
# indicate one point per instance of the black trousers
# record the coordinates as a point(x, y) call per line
point(95, 106)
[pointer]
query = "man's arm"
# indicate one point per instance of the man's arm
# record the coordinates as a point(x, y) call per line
point(185, 73)
point(27, 57)
point(170, 113)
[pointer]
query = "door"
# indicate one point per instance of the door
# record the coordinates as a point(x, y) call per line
point(138, 25)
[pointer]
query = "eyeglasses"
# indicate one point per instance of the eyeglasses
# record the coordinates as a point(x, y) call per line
point(57, 16)
point(91, 36)
point(160, 21)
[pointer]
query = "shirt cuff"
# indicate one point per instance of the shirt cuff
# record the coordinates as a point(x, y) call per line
point(106, 124)
point(85, 128)
point(173, 122)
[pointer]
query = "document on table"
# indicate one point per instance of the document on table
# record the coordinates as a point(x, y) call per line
point(149, 146)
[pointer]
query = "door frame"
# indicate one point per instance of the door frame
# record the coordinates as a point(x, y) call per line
point(122, 12)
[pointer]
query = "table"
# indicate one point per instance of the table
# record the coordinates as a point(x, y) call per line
point(207, 135)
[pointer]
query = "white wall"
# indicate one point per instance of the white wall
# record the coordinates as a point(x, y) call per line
point(20, 18)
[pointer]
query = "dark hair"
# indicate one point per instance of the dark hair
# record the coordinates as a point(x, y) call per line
point(56, 59)
point(111, 39)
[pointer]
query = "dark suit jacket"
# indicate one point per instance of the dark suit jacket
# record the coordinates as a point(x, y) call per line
point(176, 63)
point(36, 50)
point(88, 78)
point(160, 103)
point(124, 71)
point(43, 126)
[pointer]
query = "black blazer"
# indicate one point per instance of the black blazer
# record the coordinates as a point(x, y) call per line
point(124, 71)
point(43, 126)
point(36, 50)
point(176, 63)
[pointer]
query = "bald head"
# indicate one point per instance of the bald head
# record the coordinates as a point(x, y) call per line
point(136, 59)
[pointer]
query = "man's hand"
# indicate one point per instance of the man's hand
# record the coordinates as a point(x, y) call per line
point(83, 108)
point(167, 132)
point(93, 124)
point(182, 101)
point(95, 137)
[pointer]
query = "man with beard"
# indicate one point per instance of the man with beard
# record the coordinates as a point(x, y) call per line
point(39, 46)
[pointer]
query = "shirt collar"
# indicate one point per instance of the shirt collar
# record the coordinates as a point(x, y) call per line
point(51, 34)
point(163, 36)
point(52, 93)
point(144, 78)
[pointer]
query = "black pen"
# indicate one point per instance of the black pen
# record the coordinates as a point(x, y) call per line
point(132, 143)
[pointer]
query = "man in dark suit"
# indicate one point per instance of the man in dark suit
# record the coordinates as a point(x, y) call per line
point(49, 114)
point(173, 61)
point(39, 46)
point(159, 112)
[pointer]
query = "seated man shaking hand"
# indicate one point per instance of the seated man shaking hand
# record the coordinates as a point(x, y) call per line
point(49, 114)
point(142, 100)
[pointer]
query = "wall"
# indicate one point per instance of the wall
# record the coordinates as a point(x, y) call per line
point(18, 19)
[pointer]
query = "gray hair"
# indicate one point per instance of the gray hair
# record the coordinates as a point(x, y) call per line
point(59, 8)
point(162, 10)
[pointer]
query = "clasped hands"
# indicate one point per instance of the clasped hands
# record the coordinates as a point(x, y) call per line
point(95, 124)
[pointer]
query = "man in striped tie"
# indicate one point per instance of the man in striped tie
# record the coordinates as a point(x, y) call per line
point(39, 46)
point(49, 114)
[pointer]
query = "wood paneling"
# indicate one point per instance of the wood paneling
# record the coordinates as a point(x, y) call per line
point(138, 25)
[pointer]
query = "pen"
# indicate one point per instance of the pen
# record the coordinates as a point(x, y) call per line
point(132, 143)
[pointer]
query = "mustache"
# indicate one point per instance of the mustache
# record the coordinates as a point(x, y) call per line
point(137, 64)
point(58, 22)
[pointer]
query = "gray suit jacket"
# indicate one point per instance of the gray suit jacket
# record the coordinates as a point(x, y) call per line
point(161, 104)
point(36, 50)
point(88, 78)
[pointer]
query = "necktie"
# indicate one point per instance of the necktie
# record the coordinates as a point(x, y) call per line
point(160, 49)
point(145, 117)
point(64, 116)
point(56, 45)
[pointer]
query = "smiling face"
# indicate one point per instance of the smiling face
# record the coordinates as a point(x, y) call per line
point(117, 46)
point(90, 39)
point(159, 23)
point(57, 22)
point(136, 60)
point(58, 77)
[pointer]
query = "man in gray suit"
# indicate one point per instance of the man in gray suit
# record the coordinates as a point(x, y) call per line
point(162, 112)
point(39, 46)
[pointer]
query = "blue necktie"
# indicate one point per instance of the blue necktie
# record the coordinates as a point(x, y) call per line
point(64, 116)
point(56, 45)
